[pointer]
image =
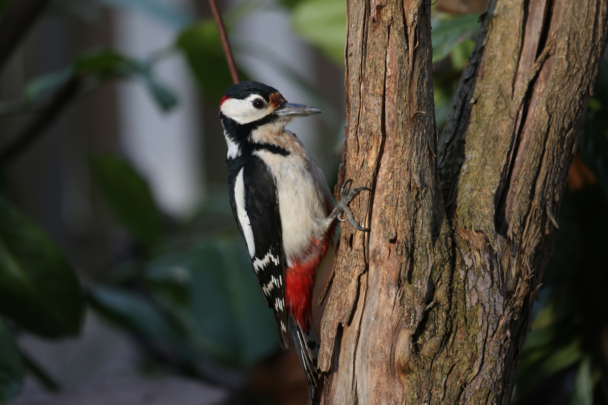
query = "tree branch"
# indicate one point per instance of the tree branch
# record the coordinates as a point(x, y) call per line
point(225, 43)
point(16, 22)
point(433, 305)
point(34, 128)
point(381, 289)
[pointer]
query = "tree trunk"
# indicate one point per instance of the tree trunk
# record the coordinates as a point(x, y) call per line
point(433, 305)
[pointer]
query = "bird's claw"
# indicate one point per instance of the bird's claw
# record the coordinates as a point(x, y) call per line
point(347, 197)
point(344, 188)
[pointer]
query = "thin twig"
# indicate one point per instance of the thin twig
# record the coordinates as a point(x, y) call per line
point(16, 22)
point(225, 44)
point(57, 103)
point(40, 373)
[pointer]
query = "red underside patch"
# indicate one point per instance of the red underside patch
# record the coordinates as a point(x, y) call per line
point(222, 102)
point(300, 279)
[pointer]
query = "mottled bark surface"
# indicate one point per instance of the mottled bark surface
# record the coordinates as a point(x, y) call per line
point(433, 305)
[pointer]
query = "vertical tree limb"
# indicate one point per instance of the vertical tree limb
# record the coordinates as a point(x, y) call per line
point(390, 138)
point(433, 305)
point(225, 43)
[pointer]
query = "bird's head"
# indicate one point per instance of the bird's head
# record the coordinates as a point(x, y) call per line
point(256, 103)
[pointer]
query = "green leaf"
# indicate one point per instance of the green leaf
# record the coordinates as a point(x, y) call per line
point(253, 319)
point(41, 86)
point(129, 196)
point(323, 24)
point(135, 313)
point(108, 64)
point(210, 290)
point(164, 97)
point(105, 63)
point(538, 364)
point(448, 33)
point(203, 49)
point(461, 52)
point(583, 388)
point(99, 65)
point(12, 370)
point(173, 17)
point(38, 288)
point(145, 317)
point(3, 5)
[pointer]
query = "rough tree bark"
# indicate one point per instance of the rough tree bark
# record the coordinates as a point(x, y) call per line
point(433, 305)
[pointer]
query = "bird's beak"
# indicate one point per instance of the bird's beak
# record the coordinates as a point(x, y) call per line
point(296, 110)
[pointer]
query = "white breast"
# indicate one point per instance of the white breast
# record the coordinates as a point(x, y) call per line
point(304, 198)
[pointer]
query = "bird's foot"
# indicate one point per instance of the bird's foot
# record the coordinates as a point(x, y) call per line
point(342, 206)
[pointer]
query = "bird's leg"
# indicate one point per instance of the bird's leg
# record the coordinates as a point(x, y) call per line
point(342, 206)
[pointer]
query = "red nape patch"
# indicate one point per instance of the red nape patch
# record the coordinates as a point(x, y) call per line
point(222, 102)
point(299, 281)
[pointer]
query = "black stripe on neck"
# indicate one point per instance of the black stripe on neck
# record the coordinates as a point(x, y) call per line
point(240, 132)
point(277, 150)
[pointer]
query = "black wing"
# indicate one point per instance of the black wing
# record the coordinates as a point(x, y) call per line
point(255, 206)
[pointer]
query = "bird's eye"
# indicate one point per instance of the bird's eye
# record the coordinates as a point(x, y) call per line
point(259, 103)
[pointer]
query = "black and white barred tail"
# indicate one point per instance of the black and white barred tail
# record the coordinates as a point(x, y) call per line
point(307, 347)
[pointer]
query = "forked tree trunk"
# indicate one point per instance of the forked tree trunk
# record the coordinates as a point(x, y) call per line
point(433, 305)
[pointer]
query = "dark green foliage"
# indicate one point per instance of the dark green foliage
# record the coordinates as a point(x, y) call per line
point(3, 5)
point(136, 313)
point(322, 23)
point(218, 300)
point(449, 32)
point(594, 143)
point(12, 370)
point(200, 300)
point(571, 313)
point(129, 197)
point(203, 49)
point(570, 316)
point(38, 288)
point(98, 66)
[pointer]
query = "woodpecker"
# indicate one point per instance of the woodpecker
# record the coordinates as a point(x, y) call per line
point(283, 207)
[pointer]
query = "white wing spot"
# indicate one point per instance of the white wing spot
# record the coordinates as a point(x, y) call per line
point(260, 264)
point(239, 197)
point(268, 288)
point(279, 304)
point(283, 328)
point(274, 282)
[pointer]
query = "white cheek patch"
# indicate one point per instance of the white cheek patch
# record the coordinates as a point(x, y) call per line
point(243, 111)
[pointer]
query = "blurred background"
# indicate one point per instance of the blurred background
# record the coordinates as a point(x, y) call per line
point(123, 278)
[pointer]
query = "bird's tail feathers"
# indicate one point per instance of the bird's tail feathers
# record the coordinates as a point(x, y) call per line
point(307, 346)
point(283, 332)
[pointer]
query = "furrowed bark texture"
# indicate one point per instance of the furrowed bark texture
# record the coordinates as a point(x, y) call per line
point(433, 305)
